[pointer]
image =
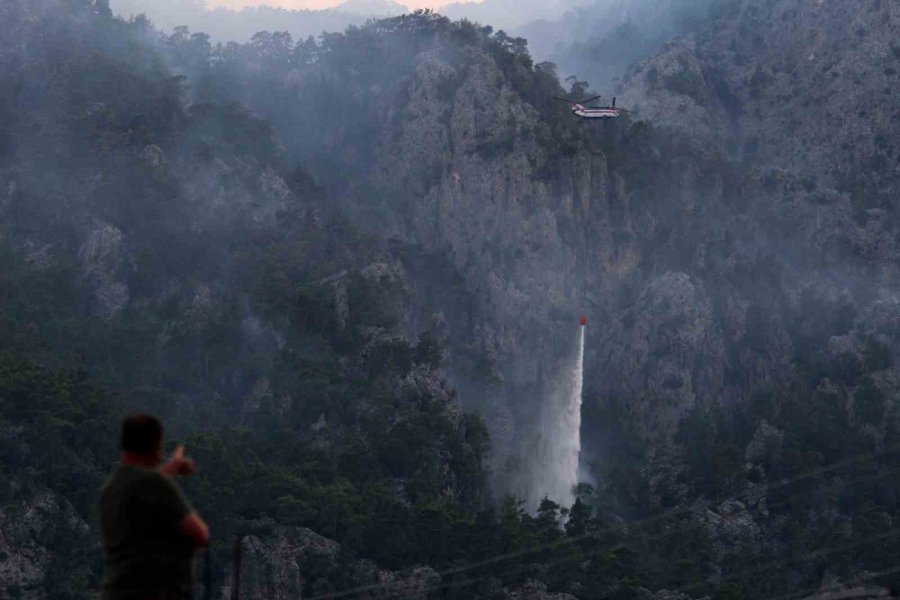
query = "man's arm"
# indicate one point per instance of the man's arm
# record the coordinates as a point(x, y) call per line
point(193, 527)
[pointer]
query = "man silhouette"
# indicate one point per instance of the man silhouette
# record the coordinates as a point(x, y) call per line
point(149, 530)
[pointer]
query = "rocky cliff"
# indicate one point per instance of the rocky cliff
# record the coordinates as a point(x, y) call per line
point(796, 95)
point(731, 276)
point(281, 563)
point(158, 255)
point(740, 383)
point(803, 87)
point(691, 259)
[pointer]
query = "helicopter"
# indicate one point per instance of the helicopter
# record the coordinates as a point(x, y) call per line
point(601, 112)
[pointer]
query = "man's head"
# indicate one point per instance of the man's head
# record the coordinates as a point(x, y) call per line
point(141, 438)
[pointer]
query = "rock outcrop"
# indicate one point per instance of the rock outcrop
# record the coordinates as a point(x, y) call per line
point(103, 260)
point(800, 85)
point(31, 529)
point(280, 565)
point(536, 591)
point(288, 562)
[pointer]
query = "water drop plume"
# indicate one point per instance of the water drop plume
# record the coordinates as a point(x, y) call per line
point(556, 470)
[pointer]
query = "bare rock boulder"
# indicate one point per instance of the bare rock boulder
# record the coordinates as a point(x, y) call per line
point(102, 258)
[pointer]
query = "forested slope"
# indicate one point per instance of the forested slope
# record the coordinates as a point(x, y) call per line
point(743, 310)
point(295, 252)
point(163, 256)
point(162, 251)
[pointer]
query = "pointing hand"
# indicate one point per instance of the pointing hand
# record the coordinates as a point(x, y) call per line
point(178, 464)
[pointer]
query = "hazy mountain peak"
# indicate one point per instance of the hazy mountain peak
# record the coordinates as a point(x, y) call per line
point(509, 14)
point(378, 8)
point(230, 25)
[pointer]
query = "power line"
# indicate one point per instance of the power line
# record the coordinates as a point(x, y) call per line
point(470, 581)
point(849, 483)
point(386, 587)
point(821, 551)
point(764, 489)
point(795, 559)
point(820, 594)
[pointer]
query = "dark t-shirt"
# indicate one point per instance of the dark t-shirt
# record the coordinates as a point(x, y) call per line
point(143, 553)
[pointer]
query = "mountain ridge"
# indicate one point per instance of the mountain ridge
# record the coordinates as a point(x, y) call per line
point(355, 226)
point(226, 25)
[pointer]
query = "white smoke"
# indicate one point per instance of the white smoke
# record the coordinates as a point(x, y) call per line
point(559, 448)
point(510, 14)
point(225, 25)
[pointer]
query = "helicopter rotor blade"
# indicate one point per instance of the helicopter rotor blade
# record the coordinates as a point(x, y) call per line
point(614, 101)
point(590, 99)
point(564, 100)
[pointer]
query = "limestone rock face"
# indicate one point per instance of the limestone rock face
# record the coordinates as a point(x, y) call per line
point(696, 254)
point(464, 164)
point(830, 65)
point(676, 346)
point(536, 591)
point(414, 584)
point(273, 185)
point(732, 528)
point(28, 529)
point(766, 445)
point(281, 564)
point(278, 566)
point(102, 259)
point(215, 206)
point(674, 87)
point(425, 382)
point(153, 155)
point(22, 566)
point(484, 204)
point(666, 595)
point(883, 316)
point(37, 254)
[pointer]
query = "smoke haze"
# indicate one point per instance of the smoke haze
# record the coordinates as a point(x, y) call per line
point(346, 272)
point(594, 40)
point(227, 25)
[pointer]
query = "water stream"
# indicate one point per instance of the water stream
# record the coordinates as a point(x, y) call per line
point(556, 473)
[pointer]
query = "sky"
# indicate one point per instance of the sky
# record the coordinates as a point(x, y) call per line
point(314, 4)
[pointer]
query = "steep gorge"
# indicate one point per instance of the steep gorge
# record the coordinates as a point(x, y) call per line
point(744, 319)
point(465, 153)
point(743, 299)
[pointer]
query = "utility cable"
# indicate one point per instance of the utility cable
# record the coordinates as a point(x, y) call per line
point(765, 489)
point(385, 588)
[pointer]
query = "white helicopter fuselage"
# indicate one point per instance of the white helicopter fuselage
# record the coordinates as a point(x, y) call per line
point(594, 113)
